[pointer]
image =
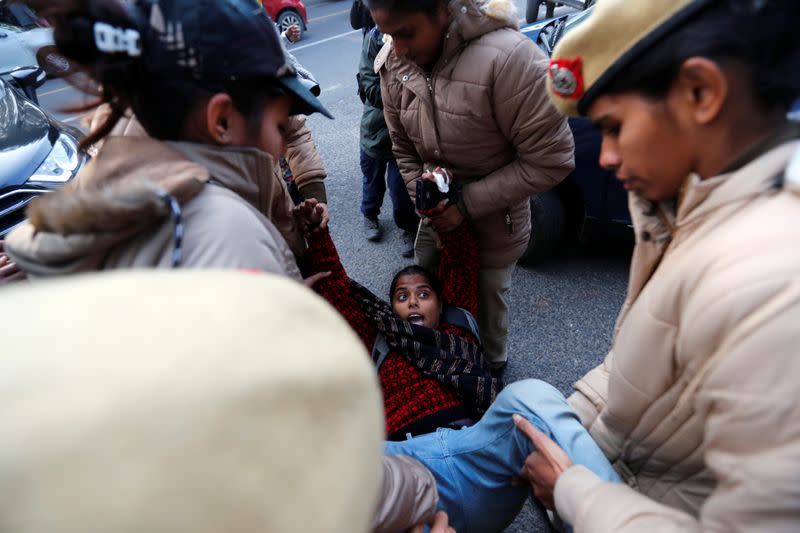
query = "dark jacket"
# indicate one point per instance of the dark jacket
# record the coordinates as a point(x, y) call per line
point(375, 141)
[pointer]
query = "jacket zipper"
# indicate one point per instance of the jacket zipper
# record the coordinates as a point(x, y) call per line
point(429, 81)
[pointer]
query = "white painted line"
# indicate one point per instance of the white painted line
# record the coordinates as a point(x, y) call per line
point(323, 41)
point(54, 91)
point(329, 15)
point(333, 87)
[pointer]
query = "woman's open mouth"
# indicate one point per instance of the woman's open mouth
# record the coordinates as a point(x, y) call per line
point(416, 318)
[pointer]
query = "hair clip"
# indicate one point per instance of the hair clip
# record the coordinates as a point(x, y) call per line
point(112, 40)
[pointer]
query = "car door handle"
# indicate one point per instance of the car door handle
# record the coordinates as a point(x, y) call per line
point(3, 35)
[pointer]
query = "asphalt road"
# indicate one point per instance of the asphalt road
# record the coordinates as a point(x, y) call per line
point(562, 312)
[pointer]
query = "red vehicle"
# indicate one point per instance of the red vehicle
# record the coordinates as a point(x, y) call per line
point(286, 13)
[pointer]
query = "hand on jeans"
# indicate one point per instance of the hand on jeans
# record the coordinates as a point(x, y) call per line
point(439, 525)
point(544, 466)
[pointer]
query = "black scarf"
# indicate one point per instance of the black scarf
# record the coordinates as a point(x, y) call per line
point(450, 359)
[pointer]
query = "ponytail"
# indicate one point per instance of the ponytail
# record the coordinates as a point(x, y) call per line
point(118, 67)
point(116, 73)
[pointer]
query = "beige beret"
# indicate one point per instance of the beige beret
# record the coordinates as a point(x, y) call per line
point(617, 33)
point(184, 401)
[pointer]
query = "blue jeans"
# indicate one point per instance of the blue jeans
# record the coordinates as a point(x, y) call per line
point(473, 466)
point(374, 187)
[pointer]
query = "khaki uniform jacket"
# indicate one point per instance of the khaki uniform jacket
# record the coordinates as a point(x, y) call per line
point(226, 196)
point(697, 404)
point(304, 160)
point(301, 155)
point(483, 113)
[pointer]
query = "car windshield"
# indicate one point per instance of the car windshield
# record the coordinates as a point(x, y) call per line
point(18, 16)
point(575, 20)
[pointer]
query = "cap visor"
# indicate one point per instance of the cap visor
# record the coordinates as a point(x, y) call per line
point(305, 102)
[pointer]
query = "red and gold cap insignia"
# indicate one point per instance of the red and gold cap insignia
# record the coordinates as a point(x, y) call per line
point(566, 76)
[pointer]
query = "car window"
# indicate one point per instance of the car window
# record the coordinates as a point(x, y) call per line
point(18, 15)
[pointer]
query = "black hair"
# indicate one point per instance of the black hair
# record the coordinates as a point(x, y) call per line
point(429, 7)
point(415, 270)
point(161, 106)
point(760, 35)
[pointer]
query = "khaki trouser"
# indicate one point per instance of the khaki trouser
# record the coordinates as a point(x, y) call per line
point(493, 286)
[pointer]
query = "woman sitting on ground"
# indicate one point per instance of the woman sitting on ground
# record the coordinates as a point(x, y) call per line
point(425, 344)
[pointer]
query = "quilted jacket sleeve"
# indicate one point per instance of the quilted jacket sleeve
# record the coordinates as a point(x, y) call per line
point(751, 423)
point(591, 393)
point(540, 134)
point(407, 496)
point(304, 159)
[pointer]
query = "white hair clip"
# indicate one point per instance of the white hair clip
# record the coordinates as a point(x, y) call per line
point(112, 40)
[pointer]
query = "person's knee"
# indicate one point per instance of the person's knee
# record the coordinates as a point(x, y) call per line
point(527, 396)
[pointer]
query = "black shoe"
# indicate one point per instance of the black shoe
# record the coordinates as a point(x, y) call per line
point(408, 244)
point(372, 229)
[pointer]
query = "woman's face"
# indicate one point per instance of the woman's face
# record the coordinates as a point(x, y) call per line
point(229, 127)
point(644, 143)
point(416, 36)
point(274, 125)
point(414, 300)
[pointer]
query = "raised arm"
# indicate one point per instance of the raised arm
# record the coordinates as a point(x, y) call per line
point(304, 160)
point(323, 257)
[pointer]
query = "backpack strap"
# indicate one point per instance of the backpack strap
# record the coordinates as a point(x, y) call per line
point(380, 350)
point(456, 316)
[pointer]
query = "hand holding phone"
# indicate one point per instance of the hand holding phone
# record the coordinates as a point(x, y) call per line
point(432, 188)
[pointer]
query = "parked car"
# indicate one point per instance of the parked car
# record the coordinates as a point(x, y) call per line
point(286, 13)
point(590, 201)
point(532, 7)
point(25, 39)
point(38, 153)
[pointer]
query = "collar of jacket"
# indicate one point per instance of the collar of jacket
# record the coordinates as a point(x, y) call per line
point(758, 173)
point(79, 232)
point(657, 226)
point(245, 171)
point(469, 19)
point(698, 197)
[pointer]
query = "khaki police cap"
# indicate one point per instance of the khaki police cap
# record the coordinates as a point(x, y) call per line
point(617, 34)
point(184, 402)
